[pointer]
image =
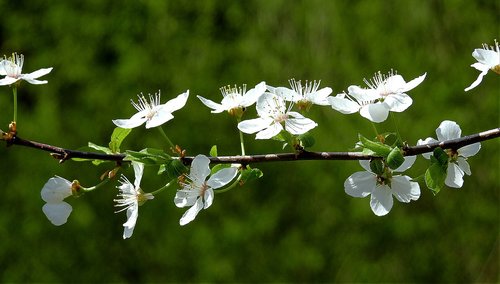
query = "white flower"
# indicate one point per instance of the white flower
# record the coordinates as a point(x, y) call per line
point(130, 197)
point(457, 162)
point(272, 111)
point(385, 93)
point(383, 188)
point(152, 112)
point(54, 192)
point(235, 98)
point(12, 67)
point(487, 59)
point(304, 96)
point(199, 192)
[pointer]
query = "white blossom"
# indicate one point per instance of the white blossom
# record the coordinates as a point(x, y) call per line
point(55, 190)
point(303, 96)
point(12, 68)
point(235, 98)
point(488, 58)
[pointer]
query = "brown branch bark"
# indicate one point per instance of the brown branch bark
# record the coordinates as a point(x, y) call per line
point(63, 154)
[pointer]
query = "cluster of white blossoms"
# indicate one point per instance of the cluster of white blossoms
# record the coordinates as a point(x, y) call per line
point(275, 110)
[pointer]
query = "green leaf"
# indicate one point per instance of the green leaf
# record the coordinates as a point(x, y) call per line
point(435, 175)
point(249, 174)
point(306, 140)
point(148, 156)
point(213, 151)
point(395, 158)
point(377, 167)
point(117, 138)
point(100, 148)
point(375, 146)
point(173, 169)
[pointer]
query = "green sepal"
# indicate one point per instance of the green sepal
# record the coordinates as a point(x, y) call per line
point(148, 156)
point(395, 158)
point(378, 148)
point(250, 174)
point(173, 169)
point(435, 175)
point(117, 138)
point(213, 151)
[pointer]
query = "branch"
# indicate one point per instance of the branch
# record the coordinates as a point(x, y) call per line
point(64, 154)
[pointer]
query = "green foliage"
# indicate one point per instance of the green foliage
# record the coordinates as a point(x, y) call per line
point(294, 225)
point(117, 137)
point(148, 156)
point(435, 175)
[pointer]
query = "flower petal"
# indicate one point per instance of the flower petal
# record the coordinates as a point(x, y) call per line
point(177, 102)
point(251, 126)
point(130, 123)
point(269, 104)
point(463, 165)
point(271, 131)
point(377, 112)
point(398, 102)
point(57, 213)
point(208, 198)
point(37, 74)
point(185, 197)
point(222, 177)
point(344, 105)
point(454, 176)
point(132, 214)
point(8, 81)
point(216, 108)
point(301, 125)
point(479, 77)
point(138, 171)
point(427, 140)
point(469, 150)
point(404, 189)
point(199, 169)
point(191, 213)
point(56, 189)
point(448, 130)
point(381, 200)
point(409, 160)
point(360, 184)
point(413, 83)
point(287, 94)
point(321, 96)
point(250, 97)
point(161, 116)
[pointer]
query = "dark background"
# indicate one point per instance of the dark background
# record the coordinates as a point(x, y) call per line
point(296, 224)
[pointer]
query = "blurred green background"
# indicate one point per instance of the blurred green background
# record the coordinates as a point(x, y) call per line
point(296, 224)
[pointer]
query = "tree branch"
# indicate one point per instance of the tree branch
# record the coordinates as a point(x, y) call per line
point(63, 154)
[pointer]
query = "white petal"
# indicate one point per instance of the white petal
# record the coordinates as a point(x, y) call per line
point(251, 126)
point(191, 213)
point(271, 131)
point(57, 213)
point(392, 85)
point(321, 97)
point(377, 112)
point(177, 102)
point(269, 104)
point(409, 160)
point(448, 130)
point(366, 165)
point(299, 126)
point(363, 95)
point(184, 197)
point(344, 105)
point(8, 81)
point(287, 94)
point(250, 97)
point(222, 177)
point(56, 189)
point(138, 171)
point(132, 214)
point(208, 198)
point(162, 115)
point(37, 74)
point(360, 184)
point(403, 189)
point(129, 123)
point(454, 176)
point(199, 169)
point(3, 63)
point(413, 83)
point(463, 165)
point(479, 78)
point(381, 200)
point(216, 108)
point(469, 150)
point(487, 57)
point(398, 102)
point(427, 140)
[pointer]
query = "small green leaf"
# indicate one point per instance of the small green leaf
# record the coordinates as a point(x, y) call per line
point(435, 175)
point(173, 169)
point(377, 167)
point(249, 174)
point(375, 146)
point(213, 151)
point(395, 158)
point(100, 148)
point(148, 156)
point(306, 140)
point(117, 138)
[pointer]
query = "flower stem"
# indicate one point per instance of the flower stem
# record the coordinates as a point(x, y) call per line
point(242, 142)
point(375, 129)
point(87, 189)
point(166, 137)
point(396, 126)
point(14, 93)
point(164, 187)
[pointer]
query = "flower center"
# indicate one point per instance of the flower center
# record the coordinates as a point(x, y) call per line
point(279, 118)
point(13, 66)
point(150, 107)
